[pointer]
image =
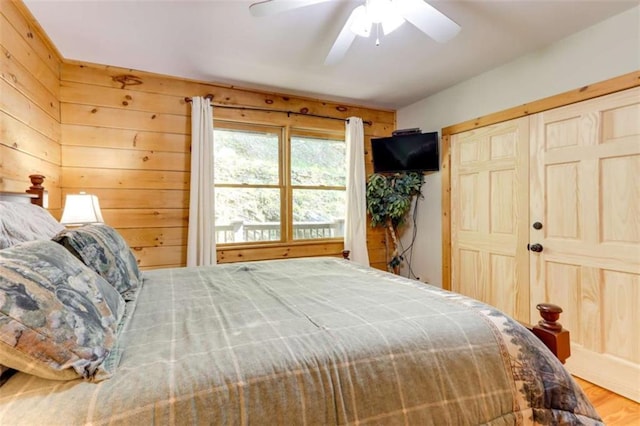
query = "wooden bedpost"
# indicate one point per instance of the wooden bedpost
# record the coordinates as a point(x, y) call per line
point(551, 332)
point(37, 189)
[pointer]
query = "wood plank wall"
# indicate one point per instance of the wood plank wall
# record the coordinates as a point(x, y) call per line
point(125, 136)
point(29, 104)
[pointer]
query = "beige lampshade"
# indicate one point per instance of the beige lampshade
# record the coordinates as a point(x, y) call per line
point(81, 209)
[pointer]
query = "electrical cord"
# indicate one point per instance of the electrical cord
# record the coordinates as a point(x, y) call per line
point(409, 249)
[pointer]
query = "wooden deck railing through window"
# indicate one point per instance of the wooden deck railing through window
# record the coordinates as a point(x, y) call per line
point(240, 231)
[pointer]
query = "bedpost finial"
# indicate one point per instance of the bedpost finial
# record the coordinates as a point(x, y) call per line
point(38, 190)
point(36, 181)
point(550, 314)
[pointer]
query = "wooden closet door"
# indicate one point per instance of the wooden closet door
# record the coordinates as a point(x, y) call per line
point(489, 215)
point(585, 190)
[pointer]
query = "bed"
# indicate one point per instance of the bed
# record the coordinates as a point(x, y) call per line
point(310, 341)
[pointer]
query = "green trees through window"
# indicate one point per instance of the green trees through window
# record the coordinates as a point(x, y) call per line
point(270, 189)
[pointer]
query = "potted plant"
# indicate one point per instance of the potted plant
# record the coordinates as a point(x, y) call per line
point(388, 202)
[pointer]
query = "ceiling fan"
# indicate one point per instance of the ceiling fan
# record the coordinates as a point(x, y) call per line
point(373, 14)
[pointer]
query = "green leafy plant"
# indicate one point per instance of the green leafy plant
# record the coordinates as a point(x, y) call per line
point(388, 202)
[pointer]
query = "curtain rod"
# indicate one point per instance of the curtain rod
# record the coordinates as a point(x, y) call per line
point(250, 108)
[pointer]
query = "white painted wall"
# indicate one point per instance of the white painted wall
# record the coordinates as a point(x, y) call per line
point(608, 49)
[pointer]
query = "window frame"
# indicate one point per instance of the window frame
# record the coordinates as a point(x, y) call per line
point(285, 133)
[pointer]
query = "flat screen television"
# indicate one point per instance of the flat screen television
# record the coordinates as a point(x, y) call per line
point(414, 152)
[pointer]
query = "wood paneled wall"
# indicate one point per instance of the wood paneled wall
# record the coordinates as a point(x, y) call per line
point(29, 104)
point(125, 136)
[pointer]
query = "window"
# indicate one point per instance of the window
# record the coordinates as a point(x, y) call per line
point(317, 181)
point(277, 184)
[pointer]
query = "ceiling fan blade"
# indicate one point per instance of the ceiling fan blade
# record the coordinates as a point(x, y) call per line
point(428, 19)
point(273, 7)
point(343, 41)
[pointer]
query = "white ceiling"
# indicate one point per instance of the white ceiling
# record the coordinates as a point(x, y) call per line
point(219, 41)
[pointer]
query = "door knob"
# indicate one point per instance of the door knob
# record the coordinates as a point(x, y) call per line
point(536, 247)
point(537, 225)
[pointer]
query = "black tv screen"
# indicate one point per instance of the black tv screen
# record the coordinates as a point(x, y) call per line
point(404, 153)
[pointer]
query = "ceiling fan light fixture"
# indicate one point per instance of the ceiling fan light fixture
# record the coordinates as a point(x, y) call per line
point(378, 10)
point(391, 23)
point(361, 24)
point(375, 12)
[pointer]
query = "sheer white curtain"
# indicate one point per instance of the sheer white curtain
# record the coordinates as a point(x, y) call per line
point(201, 241)
point(355, 233)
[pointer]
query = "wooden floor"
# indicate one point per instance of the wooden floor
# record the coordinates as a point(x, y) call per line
point(614, 409)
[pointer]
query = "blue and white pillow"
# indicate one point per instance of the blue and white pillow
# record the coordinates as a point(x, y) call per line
point(58, 318)
point(102, 249)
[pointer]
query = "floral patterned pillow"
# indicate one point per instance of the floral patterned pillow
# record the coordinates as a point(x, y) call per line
point(58, 319)
point(102, 249)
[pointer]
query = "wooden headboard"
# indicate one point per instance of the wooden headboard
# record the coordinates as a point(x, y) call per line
point(35, 194)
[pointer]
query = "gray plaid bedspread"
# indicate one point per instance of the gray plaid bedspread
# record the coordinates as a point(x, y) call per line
point(309, 342)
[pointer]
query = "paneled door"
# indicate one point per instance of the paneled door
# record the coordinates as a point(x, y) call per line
point(585, 193)
point(489, 215)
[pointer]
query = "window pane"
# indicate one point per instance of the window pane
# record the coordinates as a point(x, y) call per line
point(245, 157)
point(317, 162)
point(318, 213)
point(247, 214)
